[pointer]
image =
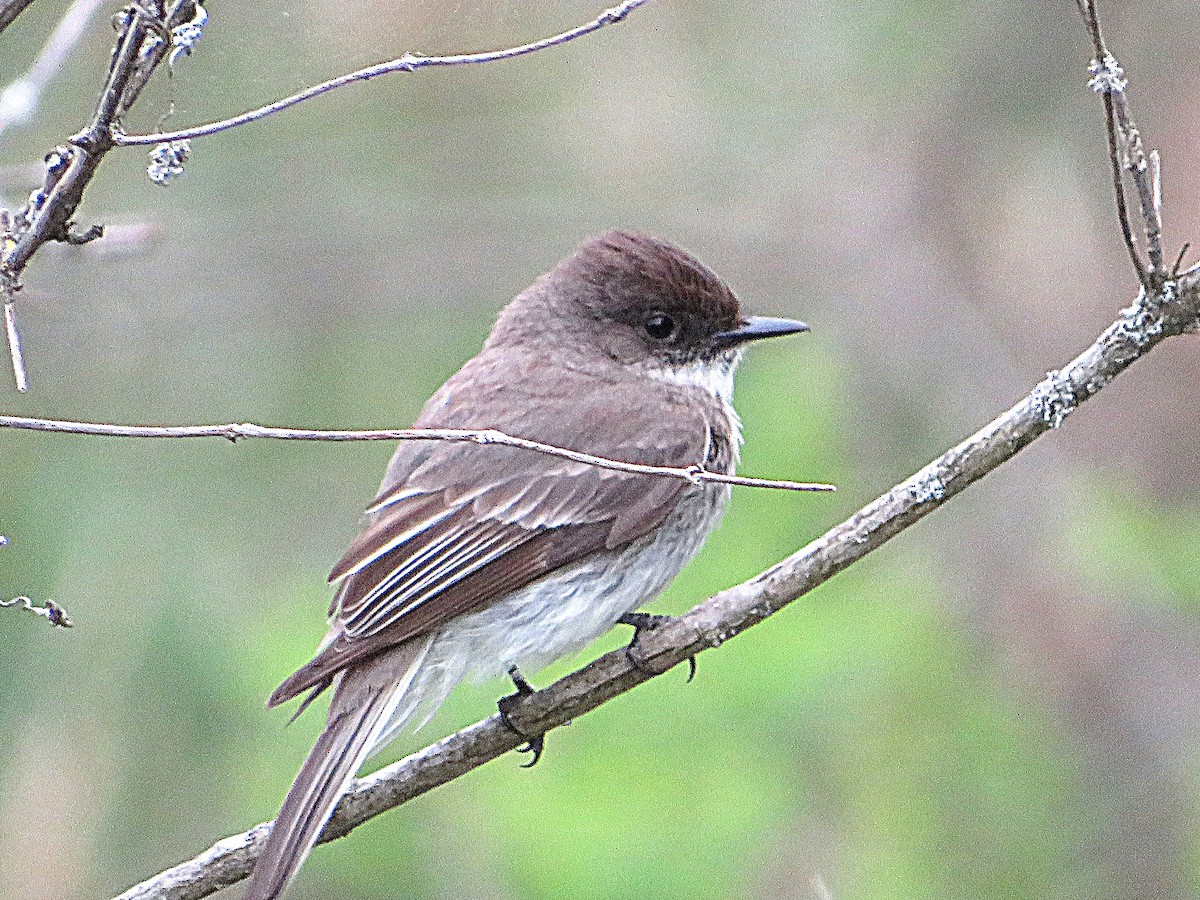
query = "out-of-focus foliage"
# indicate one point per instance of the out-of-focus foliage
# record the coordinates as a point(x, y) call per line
point(1003, 703)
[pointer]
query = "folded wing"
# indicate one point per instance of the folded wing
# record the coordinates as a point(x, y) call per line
point(460, 526)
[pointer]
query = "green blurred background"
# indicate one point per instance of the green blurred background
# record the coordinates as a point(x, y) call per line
point(1001, 703)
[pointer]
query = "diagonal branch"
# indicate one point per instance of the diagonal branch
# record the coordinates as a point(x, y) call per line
point(1152, 318)
point(409, 62)
point(234, 432)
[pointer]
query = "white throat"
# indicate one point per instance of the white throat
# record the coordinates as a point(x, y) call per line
point(715, 376)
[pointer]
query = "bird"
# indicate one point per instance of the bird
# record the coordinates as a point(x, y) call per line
point(480, 561)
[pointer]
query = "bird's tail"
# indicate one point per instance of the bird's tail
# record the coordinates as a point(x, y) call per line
point(363, 705)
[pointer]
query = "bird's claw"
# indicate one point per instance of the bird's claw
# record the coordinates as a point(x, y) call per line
point(537, 743)
point(642, 621)
point(535, 746)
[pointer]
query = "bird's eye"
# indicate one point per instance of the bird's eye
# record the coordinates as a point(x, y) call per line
point(659, 326)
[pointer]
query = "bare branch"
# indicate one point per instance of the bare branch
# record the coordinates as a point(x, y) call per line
point(1114, 156)
point(1146, 323)
point(409, 62)
point(236, 431)
point(69, 169)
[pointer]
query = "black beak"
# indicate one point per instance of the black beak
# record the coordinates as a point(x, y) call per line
point(757, 327)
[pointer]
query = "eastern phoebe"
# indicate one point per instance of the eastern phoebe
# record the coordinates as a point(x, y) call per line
point(477, 560)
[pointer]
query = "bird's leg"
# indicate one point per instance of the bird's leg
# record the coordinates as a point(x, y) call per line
point(643, 621)
point(504, 704)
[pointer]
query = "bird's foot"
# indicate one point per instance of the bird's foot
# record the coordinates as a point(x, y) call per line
point(536, 743)
point(641, 622)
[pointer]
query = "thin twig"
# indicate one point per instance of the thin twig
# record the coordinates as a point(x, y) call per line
point(235, 431)
point(1114, 153)
point(51, 612)
point(409, 62)
point(1179, 259)
point(1108, 79)
point(1146, 323)
point(154, 50)
point(14, 346)
point(1105, 86)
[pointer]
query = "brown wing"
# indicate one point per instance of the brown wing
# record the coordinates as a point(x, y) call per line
point(458, 526)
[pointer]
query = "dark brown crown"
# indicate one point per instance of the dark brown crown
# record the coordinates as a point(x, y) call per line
point(628, 270)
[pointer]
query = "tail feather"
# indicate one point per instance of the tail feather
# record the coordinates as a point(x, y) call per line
point(366, 697)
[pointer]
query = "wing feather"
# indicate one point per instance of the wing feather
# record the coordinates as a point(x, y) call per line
point(386, 533)
point(404, 591)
